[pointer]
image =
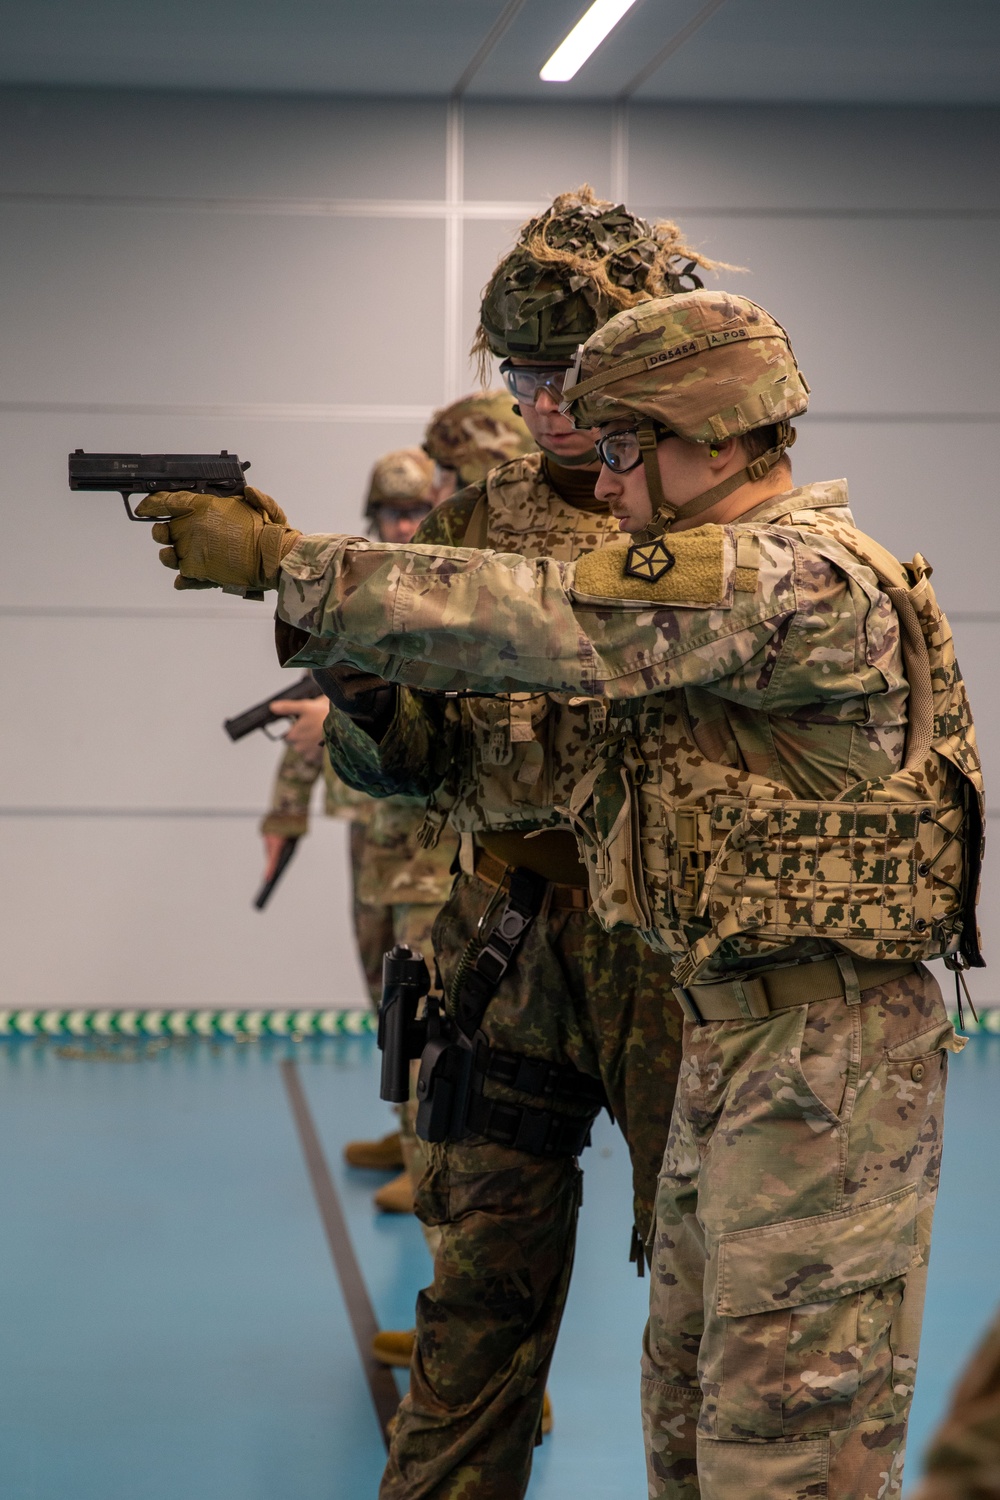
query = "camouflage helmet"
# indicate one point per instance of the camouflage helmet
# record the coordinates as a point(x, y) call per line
point(402, 477)
point(475, 434)
point(706, 365)
point(573, 266)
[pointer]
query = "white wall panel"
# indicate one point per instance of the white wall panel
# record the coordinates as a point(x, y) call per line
point(860, 159)
point(204, 145)
point(127, 713)
point(535, 150)
point(110, 304)
point(157, 912)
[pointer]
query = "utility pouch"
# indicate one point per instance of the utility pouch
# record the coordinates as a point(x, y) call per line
point(604, 809)
point(444, 1080)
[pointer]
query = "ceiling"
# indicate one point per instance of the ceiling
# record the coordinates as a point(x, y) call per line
point(817, 51)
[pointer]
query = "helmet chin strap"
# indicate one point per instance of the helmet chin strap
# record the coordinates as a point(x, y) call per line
point(666, 515)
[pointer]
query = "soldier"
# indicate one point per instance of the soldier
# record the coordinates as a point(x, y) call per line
point(788, 800)
point(500, 770)
point(568, 995)
point(963, 1462)
point(472, 436)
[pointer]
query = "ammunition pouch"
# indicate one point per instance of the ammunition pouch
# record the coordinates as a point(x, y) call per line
point(443, 1082)
point(452, 1103)
point(545, 1131)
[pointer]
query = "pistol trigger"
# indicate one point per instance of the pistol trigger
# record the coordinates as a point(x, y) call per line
point(149, 520)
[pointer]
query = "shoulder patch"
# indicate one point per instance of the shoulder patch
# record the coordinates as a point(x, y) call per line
point(696, 576)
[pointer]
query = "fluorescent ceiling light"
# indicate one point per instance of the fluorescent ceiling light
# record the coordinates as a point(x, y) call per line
point(586, 36)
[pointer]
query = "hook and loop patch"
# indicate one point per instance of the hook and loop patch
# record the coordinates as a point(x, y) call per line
point(649, 562)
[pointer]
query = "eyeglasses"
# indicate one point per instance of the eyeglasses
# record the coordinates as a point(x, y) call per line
point(525, 381)
point(620, 451)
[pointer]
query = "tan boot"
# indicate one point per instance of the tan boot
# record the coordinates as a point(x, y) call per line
point(394, 1347)
point(396, 1197)
point(385, 1155)
point(546, 1422)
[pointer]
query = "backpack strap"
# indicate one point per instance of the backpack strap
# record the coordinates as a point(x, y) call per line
point(894, 579)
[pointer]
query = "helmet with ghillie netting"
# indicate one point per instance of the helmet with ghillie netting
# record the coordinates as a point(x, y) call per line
point(705, 366)
point(403, 477)
point(573, 267)
point(475, 434)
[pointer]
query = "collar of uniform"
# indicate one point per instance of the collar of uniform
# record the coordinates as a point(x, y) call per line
point(828, 494)
point(575, 486)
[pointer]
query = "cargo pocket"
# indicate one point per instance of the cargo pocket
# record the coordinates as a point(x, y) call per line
point(807, 1307)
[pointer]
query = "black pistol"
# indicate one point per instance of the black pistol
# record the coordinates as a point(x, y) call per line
point(401, 1036)
point(288, 848)
point(145, 473)
point(260, 716)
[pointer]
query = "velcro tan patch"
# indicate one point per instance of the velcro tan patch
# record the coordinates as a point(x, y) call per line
point(698, 575)
point(747, 562)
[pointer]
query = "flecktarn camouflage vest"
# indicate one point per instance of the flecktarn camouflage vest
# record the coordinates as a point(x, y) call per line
point(518, 757)
point(721, 867)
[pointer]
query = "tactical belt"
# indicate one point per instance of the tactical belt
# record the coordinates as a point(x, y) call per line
point(552, 853)
point(752, 998)
point(558, 897)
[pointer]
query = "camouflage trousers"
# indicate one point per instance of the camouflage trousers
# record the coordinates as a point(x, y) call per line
point(793, 1220)
point(487, 1326)
point(963, 1462)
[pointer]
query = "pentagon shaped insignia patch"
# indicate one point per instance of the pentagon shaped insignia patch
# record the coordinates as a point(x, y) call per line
point(648, 562)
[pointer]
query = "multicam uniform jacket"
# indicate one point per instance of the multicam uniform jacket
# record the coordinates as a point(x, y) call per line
point(506, 762)
point(782, 657)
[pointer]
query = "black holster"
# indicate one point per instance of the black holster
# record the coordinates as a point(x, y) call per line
point(401, 1036)
point(457, 1061)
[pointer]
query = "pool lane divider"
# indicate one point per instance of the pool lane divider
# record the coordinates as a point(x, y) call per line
point(249, 1025)
point(236, 1024)
point(381, 1383)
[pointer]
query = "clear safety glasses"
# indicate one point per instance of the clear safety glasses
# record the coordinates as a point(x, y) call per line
point(525, 381)
point(392, 514)
point(620, 451)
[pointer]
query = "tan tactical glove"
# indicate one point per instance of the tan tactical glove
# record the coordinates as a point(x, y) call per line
point(232, 542)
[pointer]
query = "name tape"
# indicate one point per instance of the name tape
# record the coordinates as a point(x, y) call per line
point(692, 346)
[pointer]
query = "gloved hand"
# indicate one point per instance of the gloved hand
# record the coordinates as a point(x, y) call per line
point(232, 542)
